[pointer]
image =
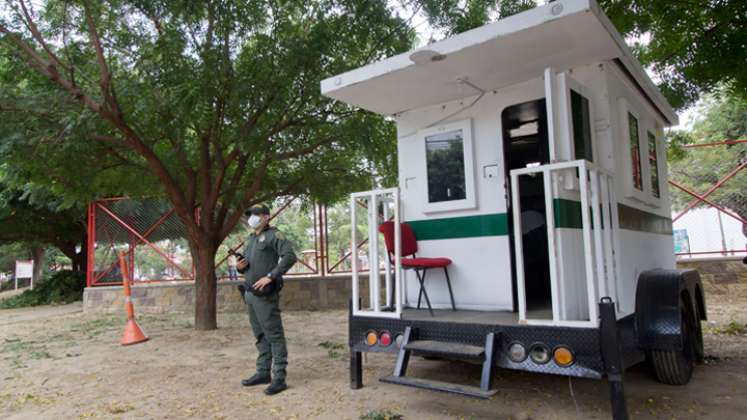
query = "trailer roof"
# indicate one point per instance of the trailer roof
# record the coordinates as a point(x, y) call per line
point(562, 35)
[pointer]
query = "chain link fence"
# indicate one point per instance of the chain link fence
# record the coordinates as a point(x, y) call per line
point(150, 234)
point(154, 240)
point(708, 183)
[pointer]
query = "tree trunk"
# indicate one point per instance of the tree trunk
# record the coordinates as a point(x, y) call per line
point(205, 286)
point(37, 253)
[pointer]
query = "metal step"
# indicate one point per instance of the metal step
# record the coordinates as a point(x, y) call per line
point(465, 390)
point(444, 348)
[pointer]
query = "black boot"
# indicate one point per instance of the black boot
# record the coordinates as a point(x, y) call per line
point(256, 379)
point(276, 387)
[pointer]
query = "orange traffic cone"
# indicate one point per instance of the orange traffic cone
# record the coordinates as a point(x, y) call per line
point(132, 334)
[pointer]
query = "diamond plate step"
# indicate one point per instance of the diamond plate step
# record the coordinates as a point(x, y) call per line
point(465, 390)
point(446, 348)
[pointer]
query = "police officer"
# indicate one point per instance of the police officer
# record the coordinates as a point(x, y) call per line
point(267, 256)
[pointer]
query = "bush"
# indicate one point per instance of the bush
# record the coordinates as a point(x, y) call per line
point(381, 415)
point(7, 285)
point(60, 288)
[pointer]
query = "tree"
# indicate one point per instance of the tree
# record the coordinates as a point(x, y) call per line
point(215, 102)
point(31, 217)
point(691, 47)
point(722, 117)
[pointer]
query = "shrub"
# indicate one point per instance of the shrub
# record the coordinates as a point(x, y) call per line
point(381, 415)
point(59, 288)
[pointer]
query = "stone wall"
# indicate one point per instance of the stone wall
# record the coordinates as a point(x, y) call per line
point(319, 293)
point(298, 294)
point(717, 271)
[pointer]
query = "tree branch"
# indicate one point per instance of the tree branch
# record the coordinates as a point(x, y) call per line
point(305, 150)
point(105, 76)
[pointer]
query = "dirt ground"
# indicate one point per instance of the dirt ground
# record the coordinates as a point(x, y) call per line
point(62, 364)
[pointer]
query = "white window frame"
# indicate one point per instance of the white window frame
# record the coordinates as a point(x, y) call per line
point(469, 202)
point(627, 164)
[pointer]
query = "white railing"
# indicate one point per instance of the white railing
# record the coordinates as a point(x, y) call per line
point(389, 201)
point(596, 188)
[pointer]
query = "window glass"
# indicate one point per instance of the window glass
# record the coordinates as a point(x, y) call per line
point(445, 164)
point(654, 164)
point(581, 127)
point(635, 152)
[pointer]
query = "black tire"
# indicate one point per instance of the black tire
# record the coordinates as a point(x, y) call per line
point(699, 351)
point(675, 367)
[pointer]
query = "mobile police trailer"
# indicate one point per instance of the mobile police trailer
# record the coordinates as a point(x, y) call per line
point(531, 224)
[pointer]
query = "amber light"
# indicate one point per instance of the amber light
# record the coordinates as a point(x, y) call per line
point(372, 338)
point(563, 356)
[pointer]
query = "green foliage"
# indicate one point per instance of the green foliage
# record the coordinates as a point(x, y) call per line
point(381, 415)
point(694, 46)
point(210, 104)
point(9, 253)
point(243, 76)
point(332, 349)
point(60, 288)
point(734, 328)
point(690, 46)
point(722, 116)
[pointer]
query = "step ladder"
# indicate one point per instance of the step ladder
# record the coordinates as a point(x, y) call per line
point(449, 350)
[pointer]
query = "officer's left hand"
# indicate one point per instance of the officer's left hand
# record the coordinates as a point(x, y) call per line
point(261, 283)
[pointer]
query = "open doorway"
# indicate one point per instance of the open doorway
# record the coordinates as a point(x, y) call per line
point(525, 143)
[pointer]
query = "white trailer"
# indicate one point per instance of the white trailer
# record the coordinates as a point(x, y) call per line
point(531, 155)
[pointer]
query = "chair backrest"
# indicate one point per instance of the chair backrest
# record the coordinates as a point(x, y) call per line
point(409, 243)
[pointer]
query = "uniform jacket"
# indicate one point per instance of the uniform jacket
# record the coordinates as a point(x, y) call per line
point(269, 253)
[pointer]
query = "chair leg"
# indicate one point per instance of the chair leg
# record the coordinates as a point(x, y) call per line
point(420, 292)
point(451, 293)
point(425, 293)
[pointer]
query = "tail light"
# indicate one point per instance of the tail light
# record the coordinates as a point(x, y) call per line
point(385, 339)
point(563, 356)
point(372, 338)
point(539, 353)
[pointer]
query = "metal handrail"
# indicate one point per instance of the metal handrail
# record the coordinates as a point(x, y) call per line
point(374, 279)
point(600, 237)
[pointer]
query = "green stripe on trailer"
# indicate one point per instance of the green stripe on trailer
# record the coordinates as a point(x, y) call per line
point(643, 221)
point(567, 215)
point(461, 227)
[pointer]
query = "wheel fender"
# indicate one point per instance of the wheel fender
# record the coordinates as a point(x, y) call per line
point(658, 305)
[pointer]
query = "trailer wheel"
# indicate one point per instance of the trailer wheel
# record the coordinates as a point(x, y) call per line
point(675, 367)
point(699, 351)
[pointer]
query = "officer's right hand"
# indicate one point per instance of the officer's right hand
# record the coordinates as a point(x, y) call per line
point(241, 264)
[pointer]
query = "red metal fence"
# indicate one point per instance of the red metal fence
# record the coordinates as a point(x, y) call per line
point(709, 194)
point(154, 239)
point(148, 231)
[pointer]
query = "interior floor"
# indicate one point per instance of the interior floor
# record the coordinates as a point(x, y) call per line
point(474, 317)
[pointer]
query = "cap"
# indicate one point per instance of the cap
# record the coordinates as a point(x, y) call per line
point(257, 209)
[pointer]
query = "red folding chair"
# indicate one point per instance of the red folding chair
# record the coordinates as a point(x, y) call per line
point(419, 264)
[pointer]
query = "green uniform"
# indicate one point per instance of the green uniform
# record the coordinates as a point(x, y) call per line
point(269, 254)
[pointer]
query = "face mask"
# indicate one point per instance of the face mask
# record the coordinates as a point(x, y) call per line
point(254, 221)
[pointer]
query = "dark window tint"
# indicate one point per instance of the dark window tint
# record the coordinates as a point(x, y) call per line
point(581, 126)
point(635, 152)
point(654, 164)
point(445, 162)
point(525, 134)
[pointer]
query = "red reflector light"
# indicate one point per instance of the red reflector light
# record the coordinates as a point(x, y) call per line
point(385, 339)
